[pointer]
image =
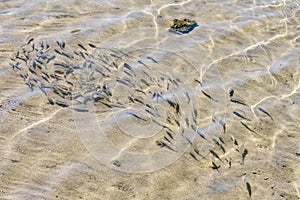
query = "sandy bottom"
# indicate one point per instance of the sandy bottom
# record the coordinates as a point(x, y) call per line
point(51, 152)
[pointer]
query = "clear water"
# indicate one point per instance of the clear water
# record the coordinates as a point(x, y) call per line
point(92, 151)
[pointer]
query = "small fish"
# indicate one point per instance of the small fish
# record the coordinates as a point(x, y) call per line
point(215, 155)
point(177, 122)
point(198, 82)
point(249, 189)
point(215, 166)
point(106, 104)
point(91, 45)
point(127, 66)
point(60, 53)
point(141, 91)
point(170, 135)
point(171, 103)
point(116, 163)
point(187, 122)
point(75, 31)
point(62, 103)
point(136, 116)
point(223, 125)
point(151, 113)
point(193, 156)
point(167, 139)
point(60, 44)
point(177, 108)
point(143, 64)
point(235, 143)
point(244, 154)
point(123, 82)
point(201, 135)
point(145, 82)
point(238, 101)
point(29, 41)
point(265, 112)
point(152, 59)
point(163, 144)
point(188, 97)
point(221, 140)
point(228, 159)
point(219, 145)
point(241, 116)
point(138, 100)
point(195, 113)
point(127, 73)
point(231, 92)
point(81, 46)
point(207, 95)
point(67, 55)
point(50, 59)
point(247, 127)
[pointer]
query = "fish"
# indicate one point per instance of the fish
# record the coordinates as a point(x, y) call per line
point(150, 58)
point(136, 116)
point(75, 31)
point(50, 59)
point(141, 91)
point(62, 103)
point(127, 73)
point(116, 163)
point(223, 124)
point(207, 95)
point(177, 108)
point(29, 41)
point(177, 122)
point(265, 112)
point(195, 113)
point(247, 127)
point(215, 166)
point(170, 135)
point(81, 46)
point(198, 82)
point(215, 155)
point(244, 154)
point(61, 44)
point(67, 55)
point(51, 100)
point(151, 113)
point(145, 82)
point(91, 45)
point(201, 135)
point(187, 122)
point(241, 116)
point(138, 100)
point(163, 144)
point(238, 101)
point(231, 92)
point(123, 82)
point(167, 139)
point(127, 66)
point(188, 97)
point(219, 145)
point(171, 103)
point(228, 159)
point(193, 156)
point(249, 189)
point(235, 143)
point(143, 64)
point(106, 104)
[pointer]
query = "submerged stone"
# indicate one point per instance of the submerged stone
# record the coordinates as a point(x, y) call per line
point(183, 26)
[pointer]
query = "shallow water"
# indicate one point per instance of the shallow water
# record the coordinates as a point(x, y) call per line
point(93, 151)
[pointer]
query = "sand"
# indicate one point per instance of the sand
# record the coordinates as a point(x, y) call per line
point(251, 47)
